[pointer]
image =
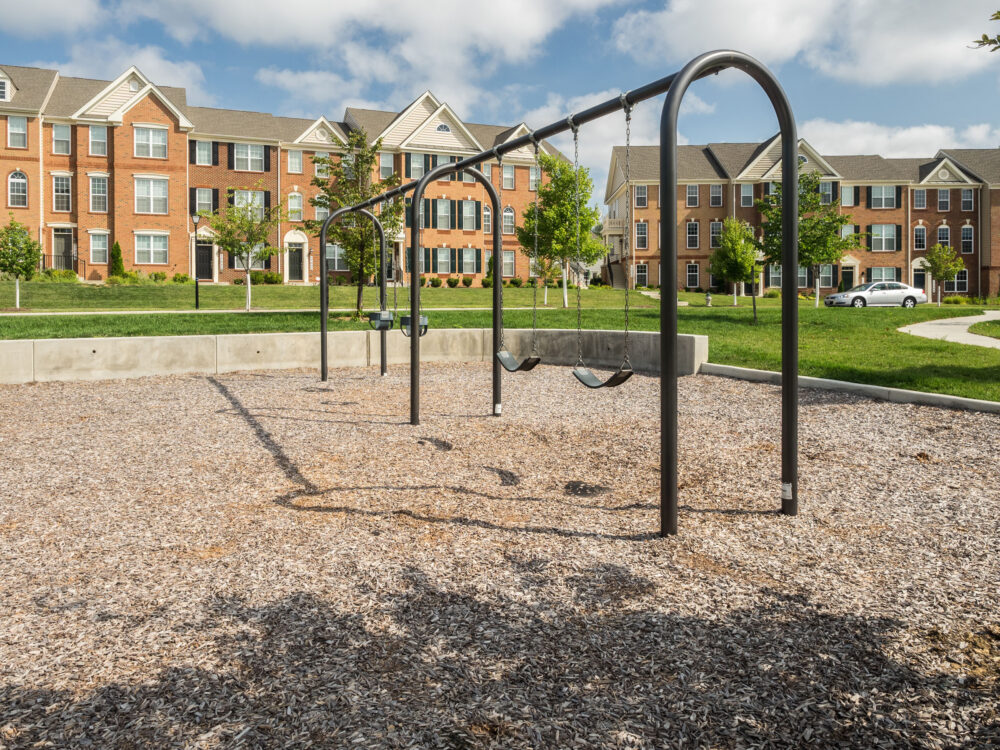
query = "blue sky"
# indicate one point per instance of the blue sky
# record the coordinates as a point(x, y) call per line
point(895, 77)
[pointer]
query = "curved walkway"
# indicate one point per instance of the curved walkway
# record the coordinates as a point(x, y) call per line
point(956, 329)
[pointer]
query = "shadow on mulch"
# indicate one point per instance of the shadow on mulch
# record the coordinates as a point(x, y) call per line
point(457, 671)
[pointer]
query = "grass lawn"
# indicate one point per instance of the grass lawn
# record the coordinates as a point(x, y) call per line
point(989, 328)
point(862, 346)
point(47, 296)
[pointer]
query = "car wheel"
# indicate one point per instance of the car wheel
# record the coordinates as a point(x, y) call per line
point(858, 302)
point(909, 302)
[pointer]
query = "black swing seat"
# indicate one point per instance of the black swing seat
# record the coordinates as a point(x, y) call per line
point(381, 320)
point(510, 363)
point(589, 379)
point(406, 328)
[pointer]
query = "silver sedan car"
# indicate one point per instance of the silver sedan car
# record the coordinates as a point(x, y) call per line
point(877, 294)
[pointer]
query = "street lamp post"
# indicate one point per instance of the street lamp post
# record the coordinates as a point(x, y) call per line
point(195, 218)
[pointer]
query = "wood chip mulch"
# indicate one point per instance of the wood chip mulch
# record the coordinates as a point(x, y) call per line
point(264, 560)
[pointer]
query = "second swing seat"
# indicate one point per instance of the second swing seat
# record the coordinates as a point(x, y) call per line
point(510, 363)
point(589, 379)
point(406, 328)
point(381, 320)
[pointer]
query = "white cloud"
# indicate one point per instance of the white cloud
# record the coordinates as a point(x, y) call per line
point(39, 18)
point(920, 41)
point(854, 137)
point(110, 58)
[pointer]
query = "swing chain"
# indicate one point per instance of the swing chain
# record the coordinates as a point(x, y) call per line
point(629, 223)
point(499, 282)
point(576, 214)
point(534, 294)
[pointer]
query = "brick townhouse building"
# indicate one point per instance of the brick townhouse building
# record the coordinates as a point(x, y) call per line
point(901, 206)
point(86, 163)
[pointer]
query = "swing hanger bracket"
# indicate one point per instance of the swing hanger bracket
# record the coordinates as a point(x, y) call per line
point(626, 104)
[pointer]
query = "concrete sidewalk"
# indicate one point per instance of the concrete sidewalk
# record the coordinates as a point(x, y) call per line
point(956, 330)
point(240, 310)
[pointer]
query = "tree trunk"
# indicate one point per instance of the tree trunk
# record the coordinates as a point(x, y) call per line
point(248, 286)
point(735, 303)
point(361, 289)
point(17, 292)
point(566, 285)
point(816, 271)
point(939, 285)
point(545, 296)
point(753, 295)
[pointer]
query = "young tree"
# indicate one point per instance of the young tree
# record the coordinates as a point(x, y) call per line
point(116, 266)
point(349, 182)
point(557, 222)
point(944, 263)
point(736, 257)
point(19, 254)
point(546, 271)
point(821, 241)
point(993, 42)
point(245, 231)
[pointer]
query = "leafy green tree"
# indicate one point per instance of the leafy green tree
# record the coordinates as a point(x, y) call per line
point(993, 42)
point(546, 272)
point(557, 223)
point(348, 183)
point(821, 240)
point(736, 259)
point(19, 254)
point(116, 266)
point(944, 263)
point(245, 231)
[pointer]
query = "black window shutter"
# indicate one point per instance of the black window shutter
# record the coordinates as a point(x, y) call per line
point(836, 273)
point(479, 260)
point(231, 197)
point(192, 200)
point(427, 163)
point(267, 263)
point(453, 218)
point(868, 196)
point(434, 214)
point(406, 159)
point(267, 200)
point(267, 158)
point(899, 274)
point(429, 215)
point(836, 187)
point(408, 210)
point(899, 196)
point(454, 261)
point(459, 219)
point(899, 236)
point(409, 259)
point(427, 259)
point(810, 277)
point(767, 189)
point(215, 153)
point(461, 261)
point(232, 260)
point(868, 275)
point(479, 215)
point(767, 275)
point(215, 199)
point(868, 232)
point(231, 158)
point(192, 151)
point(857, 229)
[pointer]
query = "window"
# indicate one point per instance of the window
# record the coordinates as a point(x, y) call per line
point(150, 196)
point(826, 193)
point(385, 166)
point(508, 220)
point(846, 230)
point(443, 128)
point(715, 234)
point(715, 195)
point(347, 164)
point(534, 175)
point(249, 157)
point(151, 248)
point(416, 166)
point(640, 196)
point(99, 195)
point(3, 91)
point(98, 140)
point(944, 236)
point(641, 235)
point(508, 262)
point(692, 235)
point(321, 213)
point(295, 162)
point(443, 257)
point(61, 196)
point(967, 245)
point(203, 203)
point(203, 153)
point(17, 190)
point(919, 238)
point(60, 139)
point(826, 276)
point(487, 170)
point(151, 143)
point(508, 176)
point(884, 237)
point(487, 220)
point(468, 259)
point(883, 196)
point(294, 207)
point(133, 85)
point(846, 195)
point(17, 132)
point(746, 196)
point(920, 198)
point(321, 170)
point(468, 215)
point(966, 199)
point(443, 214)
point(944, 200)
point(692, 196)
point(98, 248)
point(775, 274)
point(423, 219)
point(336, 259)
point(642, 274)
point(692, 275)
point(467, 177)
point(883, 274)
point(960, 284)
point(252, 198)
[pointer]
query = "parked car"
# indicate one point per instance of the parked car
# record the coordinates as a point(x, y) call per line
point(877, 294)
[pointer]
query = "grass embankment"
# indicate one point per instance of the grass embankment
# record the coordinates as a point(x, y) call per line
point(988, 328)
point(862, 346)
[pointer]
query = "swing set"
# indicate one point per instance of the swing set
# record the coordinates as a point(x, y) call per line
point(674, 86)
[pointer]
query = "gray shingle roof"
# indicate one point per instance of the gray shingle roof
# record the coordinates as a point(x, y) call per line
point(32, 84)
point(981, 163)
point(693, 163)
point(734, 157)
point(72, 93)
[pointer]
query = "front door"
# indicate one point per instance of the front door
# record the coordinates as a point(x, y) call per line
point(295, 261)
point(847, 274)
point(203, 260)
point(920, 279)
point(62, 248)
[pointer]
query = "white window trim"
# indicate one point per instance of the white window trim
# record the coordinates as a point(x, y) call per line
point(149, 232)
point(444, 222)
point(136, 127)
point(513, 177)
point(923, 193)
point(883, 237)
point(843, 191)
point(955, 282)
point(882, 189)
point(196, 201)
point(961, 240)
point(107, 249)
point(69, 139)
point(503, 221)
point(688, 196)
point(487, 220)
point(135, 196)
point(250, 159)
point(197, 154)
point(10, 131)
point(645, 236)
point(923, 229)
point(687, 276)
point(645, 196)
point(689, 236)
point(10, 181)
point(711, 234)
point(381, 166)
point(107, 191)
point(302, 208)
point(711, 195)
point(742, 196)
point(319, 170)
point(947, 193)
point(59, 210)
point(972, 199)
point(513, 263)
point(301, 161)
point(90, 140)
point(826, 198)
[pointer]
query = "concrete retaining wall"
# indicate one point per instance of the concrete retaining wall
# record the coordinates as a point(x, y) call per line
point(133, 357)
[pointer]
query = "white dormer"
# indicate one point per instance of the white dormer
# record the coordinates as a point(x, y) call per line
point(7, 89)
point(442, 130)
point(118, 97)
point(945, 172)
point(809, 161)
point(408, 120)
point(321, 134)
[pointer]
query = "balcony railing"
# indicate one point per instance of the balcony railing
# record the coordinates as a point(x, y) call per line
point(614, 226)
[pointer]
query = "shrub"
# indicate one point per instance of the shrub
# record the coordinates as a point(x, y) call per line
point(466, 281)
point(116, 267)
point(453, 281)
point(436, 282)
point(343, 280)
point(517, 281)
point(58, 276)
point(597, 281)
point(954, 300)
point(533, 281)
point(239, 281)
point(772, 293)
point(158, 276)
point(699, 290)
point(487, 282)
point(181, 278)
point(113, 281)
point(272, 277)
point(256, 277)
point(423, 280)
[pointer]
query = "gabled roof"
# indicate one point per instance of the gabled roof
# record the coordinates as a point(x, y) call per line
point(412, 112)
point(31, 86)
point(441, 113)
point(337, 135)
point(151, 90)
point(370, 120)
point(813, 158)
point(931, 172)
point(981, 163)
point(118, 97)
point(72, 94)
point(735, 157)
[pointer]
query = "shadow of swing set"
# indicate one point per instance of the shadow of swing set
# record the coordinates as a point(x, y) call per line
point(674, 86)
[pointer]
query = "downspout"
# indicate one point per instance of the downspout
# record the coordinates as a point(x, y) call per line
point(192, 266)
point(906, 240)
point(41, 186)
point(979, 245)
point(281, 253)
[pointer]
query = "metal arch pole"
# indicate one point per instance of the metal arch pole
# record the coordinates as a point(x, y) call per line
point(382, 284)
point(697, 68)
